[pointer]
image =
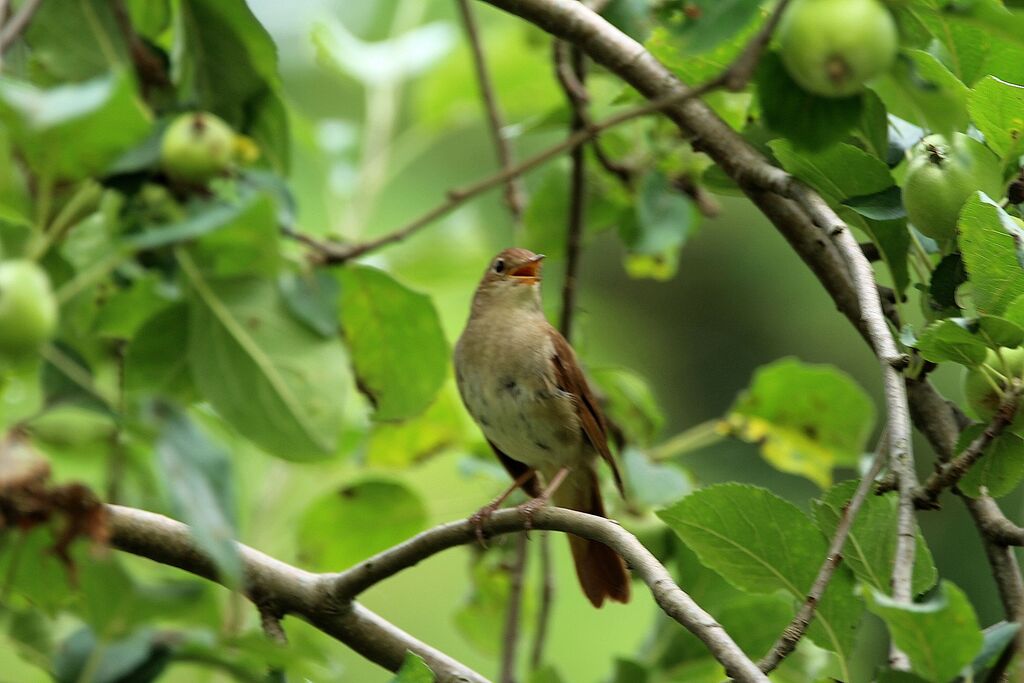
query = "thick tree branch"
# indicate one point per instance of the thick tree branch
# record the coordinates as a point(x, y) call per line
point(327, 600)
point(282, 589)
point(514, 194)
point(797, 627)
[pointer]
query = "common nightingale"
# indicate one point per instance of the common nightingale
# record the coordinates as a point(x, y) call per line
point(522, 384)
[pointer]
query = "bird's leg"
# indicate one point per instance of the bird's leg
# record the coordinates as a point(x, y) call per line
point(530, 507)
point(480, 517)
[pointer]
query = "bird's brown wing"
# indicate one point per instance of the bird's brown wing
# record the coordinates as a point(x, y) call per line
point(517, 469)
point(570, 379)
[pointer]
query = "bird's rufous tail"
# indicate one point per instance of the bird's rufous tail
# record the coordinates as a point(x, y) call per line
point(601, 571)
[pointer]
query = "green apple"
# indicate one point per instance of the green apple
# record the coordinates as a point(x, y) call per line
point(197, 147)
point(28, 308)
point(982, 399)
point(942, 174)
point(832, 47)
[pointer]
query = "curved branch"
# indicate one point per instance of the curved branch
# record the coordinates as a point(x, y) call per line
point(326, 600)
point(283, 589)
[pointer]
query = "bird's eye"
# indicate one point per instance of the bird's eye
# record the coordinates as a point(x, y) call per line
point(499, 266)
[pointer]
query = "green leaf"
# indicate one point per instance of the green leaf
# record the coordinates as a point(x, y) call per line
point(279, 384)
point(697, 68)
point(403, 444)
point(873, 129)
point(996, 638)
point(653, 484)
point(1000, 470)
point(75, 130)
point(479, 619)
point(245, 242)
point(629, 402)
point(629, 671)
point(990, 255)
point(605, 204)
point(710, 22)
point(838, 172)
point(885, 205)
point(351, 524)
point(893, 240)
point(948, 340)
point(806, 418)
point(761, 543)
point(156, 360)
point(75, 40)
point(414, 670)
point(398, 348)
point(140, 657)
point(948, 275)
point(871, 545)
point(809, 121)
point(664, 220)
point(198, 476)
point(940, 635)
point(66, 380)
point(997, 109)
point(921, 90)
point(209, 217)
point(127, 309)
point(229, 67)
point(313, 299)
point(998, 332)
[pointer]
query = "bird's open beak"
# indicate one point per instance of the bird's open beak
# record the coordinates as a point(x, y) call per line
point(528, 272)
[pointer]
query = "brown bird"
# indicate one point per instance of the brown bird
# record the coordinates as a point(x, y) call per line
point(522, 384)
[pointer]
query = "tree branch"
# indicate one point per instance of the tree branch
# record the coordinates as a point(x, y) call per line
point(950, 473)
point(513, 609)
point(796, 629)
point(327, 600)
point(18, 23)
point(547, 597)
point(514, 195)
point(670, 597)
point(289, 590)
point(575, 64)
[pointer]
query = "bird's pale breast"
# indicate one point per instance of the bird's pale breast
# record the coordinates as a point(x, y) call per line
point(506, 378)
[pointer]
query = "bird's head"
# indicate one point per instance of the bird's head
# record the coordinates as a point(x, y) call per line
point(512, 279)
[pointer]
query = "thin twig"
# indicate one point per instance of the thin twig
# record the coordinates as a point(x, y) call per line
point(513, 609)
point(577, 188)
point(571, 79)
point(18, 23)
point(335, 254)
point(796, 628)
point(149, 67)
point(950, 473)
point(547, 597)
point(514, 194)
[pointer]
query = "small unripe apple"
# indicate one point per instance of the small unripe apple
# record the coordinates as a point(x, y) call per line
point(942, 174)
point(982, 399)
point(832, 47)
point(197, 147)
point(28, 308)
